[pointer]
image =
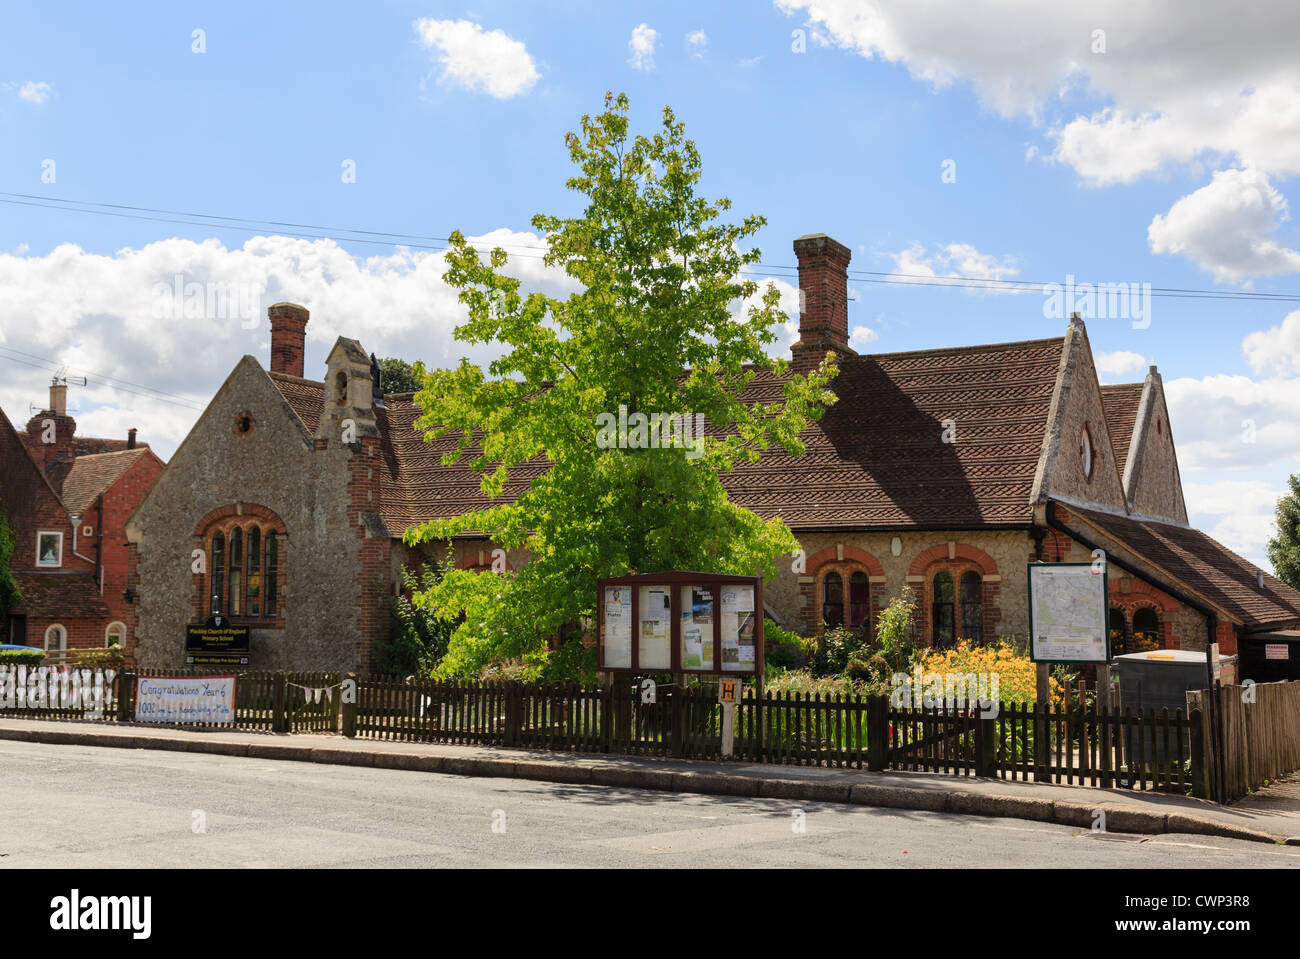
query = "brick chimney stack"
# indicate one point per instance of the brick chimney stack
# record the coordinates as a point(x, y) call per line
point(824, 300)
point(130, 438)
point(288, 336)
point(51, 430)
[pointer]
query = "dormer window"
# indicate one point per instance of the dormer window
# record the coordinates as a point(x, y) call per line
point(1086, 457)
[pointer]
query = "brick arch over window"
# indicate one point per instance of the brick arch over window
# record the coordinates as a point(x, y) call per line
point(856, 566)
point(965, 559)
point(961, 552)
point(481, 563)
point(245, 546)
point(1128, 594)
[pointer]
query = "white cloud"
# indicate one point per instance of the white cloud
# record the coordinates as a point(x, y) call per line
point(489, 61)
point(1225, 227)
point(699, 40)
point(953, 260)
point(1234, 422)
point(862, 337)
point(96, 314)
point(1219, 77)
point(1120, 363)
point(35, 91)
point(1179, 83)
point(642, 47)
point(1240, 514)
point(1275, 350)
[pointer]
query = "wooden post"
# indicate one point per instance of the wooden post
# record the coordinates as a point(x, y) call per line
point(126, 695)
point(728, 729)
point(279, 712)
point(986, 736)
point(678, 714)
point(877, 732)
point(1042, 704)
point(348, 710)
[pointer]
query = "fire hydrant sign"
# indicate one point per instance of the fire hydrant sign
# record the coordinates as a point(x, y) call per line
point(185, 699)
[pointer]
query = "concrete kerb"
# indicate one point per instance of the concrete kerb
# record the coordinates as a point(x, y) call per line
point(1080, 815)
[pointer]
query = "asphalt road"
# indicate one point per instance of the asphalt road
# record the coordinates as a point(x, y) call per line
point(81, 806)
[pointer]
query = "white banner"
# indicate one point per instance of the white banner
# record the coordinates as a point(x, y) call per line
point(185, 699)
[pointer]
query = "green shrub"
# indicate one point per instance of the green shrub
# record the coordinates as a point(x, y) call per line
point(110, 658)
point(788, 656)
point(833, 652)
point(10, 595)
point(896, 631)
point(21, 657)
point(417, 639)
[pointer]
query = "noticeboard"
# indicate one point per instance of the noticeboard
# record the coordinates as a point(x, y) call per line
point(1068, 613)
point(218, 642)
point(681, 622)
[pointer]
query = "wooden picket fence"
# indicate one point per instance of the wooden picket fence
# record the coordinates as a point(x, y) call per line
point(1078, 744)
point(1255, 733)
point(1254, 740)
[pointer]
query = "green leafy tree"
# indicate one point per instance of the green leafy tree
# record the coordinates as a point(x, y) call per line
point(417, 640)
point(9, 593)
point(654, 328)
point(398, 376)
point(1284, 548)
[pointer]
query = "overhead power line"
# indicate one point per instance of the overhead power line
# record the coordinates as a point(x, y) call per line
point(98, 379)
point(384, 238)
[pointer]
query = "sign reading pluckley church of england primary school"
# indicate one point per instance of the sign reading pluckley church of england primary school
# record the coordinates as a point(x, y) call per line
point(218, 642)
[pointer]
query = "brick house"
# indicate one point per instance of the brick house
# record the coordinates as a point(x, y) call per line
point(68, 498)
point(945, 470)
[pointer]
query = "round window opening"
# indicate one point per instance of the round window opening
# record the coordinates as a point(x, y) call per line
point(1085, 452)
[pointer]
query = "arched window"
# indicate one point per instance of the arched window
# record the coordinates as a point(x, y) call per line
point(115, 635)
point(833, 603)
point(942, 610)
point(1118, 633)
point(859, 599)
point(272, 572)
point(254, 605)
point(341, 388)
point(236, 573)
point(218, 572)
point(56, 638)
point(972, 607)
point(246, 578)
point(1146, 629)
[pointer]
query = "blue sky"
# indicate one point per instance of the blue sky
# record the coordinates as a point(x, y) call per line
point(1167, 156)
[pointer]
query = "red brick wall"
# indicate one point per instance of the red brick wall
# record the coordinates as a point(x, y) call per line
point(120, 501)
point(365, 468)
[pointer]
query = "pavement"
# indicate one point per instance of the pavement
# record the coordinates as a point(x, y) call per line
point(1270, 815)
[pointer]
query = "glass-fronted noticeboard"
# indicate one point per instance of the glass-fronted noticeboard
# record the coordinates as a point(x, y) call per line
point(681, 622)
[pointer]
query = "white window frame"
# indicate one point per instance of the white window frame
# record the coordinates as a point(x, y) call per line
point(63, 637)
point(49, 532)
point(108, 633)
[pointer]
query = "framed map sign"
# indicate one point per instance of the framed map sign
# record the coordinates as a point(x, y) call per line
point(1068, 620)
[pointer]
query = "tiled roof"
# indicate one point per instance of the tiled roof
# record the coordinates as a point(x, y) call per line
point(62, 594)
point(876, 459)
point(85, 445)
point(307, 397)
point(1121, 405)
point(1200, 565)
point(94, 474)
